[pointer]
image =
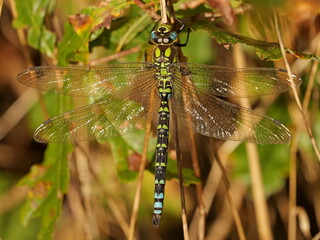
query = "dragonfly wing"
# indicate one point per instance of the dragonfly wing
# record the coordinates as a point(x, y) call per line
point(236, 82)
point(86, 80)
point(214, 117)
point(115, 116)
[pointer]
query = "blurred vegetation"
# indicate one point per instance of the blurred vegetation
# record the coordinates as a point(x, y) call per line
point(86, 191)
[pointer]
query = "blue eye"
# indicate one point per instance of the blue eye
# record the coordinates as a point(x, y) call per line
point(153, 35)
point(173, 36)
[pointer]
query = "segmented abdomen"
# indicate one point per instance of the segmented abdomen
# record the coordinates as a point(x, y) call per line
point(161, 148)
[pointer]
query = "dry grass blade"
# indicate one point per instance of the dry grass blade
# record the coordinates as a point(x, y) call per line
point(233, 207)
point(294, 90)
point(199, 188)
point(213, 181)
point(17, 111)
point(260, 204)
point(304, 222)
point(115, 204)
point(23, 104)
point(180, 176)
point(135, 208)
point(316, 237)
point(89, 224)
point(195, 165)
point(292, 225)
point(312, 78)
point(12, 197)
point(114, 207)
point(1, 5)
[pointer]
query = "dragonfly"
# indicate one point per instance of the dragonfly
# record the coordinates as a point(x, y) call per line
point(130, 93)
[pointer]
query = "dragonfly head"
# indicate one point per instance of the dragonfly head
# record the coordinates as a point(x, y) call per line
point(163, 34)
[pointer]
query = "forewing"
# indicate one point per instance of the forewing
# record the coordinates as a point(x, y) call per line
point(214, 117)
point(87, 80)
point(124, 113)
point(236, 82)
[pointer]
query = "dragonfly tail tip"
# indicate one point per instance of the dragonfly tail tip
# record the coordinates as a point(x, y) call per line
point(156, 220)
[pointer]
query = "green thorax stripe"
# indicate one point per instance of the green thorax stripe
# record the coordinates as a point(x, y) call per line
point(164, 54)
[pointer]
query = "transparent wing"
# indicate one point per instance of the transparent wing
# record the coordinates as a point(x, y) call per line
point(214, 117)
point(117, 115)
point(87, 80)
point(236, 82)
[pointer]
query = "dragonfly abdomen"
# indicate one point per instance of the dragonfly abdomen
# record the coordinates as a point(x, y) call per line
point(165, 89)
point(161, 159)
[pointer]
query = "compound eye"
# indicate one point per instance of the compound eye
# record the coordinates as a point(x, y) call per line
point(173, 36)
point(153, 36)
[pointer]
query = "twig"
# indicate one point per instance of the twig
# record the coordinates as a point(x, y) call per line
point(163, 6)
point(147, 8)
point(115, 56)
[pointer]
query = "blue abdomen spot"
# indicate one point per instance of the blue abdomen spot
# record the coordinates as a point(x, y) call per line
point(158, 196)
point(157, 211)
point(157, 205)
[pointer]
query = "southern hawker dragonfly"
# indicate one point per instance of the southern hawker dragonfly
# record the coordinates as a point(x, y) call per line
point(193, 90)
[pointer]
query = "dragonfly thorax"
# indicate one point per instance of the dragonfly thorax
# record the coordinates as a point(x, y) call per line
point(163, 54)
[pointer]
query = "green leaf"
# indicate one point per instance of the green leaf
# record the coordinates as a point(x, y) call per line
point(81, 28)
point(129, 31)
point(43, 42)
point(31, 14)
point(127, 151)
point(48, 182)
point(274, 161)
point(172, 172)
point(72, 47)
point(265, 50)
point(10, 228)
